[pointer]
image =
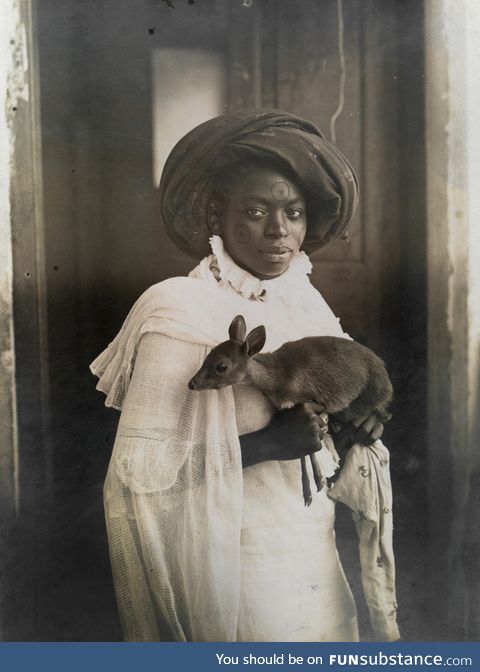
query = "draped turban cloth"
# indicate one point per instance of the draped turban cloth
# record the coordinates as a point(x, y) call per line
point(279, 138)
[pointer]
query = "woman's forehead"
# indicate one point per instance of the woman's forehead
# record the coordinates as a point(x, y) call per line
point(265, 182)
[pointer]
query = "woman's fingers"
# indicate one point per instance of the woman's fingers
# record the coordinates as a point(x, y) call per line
point(297, 432)
point(317, 426)
point(364, 430)
point(318, 409)
point(315, 434)
point(368, 430)
point(342, 436)
point(315, 413)
point(377, 432)
point(312, 426)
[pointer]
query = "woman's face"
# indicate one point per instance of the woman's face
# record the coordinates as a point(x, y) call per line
point(264, 222)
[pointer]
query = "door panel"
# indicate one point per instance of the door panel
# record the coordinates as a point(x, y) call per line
point(325, 67)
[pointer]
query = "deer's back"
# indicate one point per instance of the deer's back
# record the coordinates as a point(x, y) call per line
point(327, 353)
point(333, 371)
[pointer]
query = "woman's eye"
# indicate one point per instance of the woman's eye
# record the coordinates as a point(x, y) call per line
point(221, 368)
point(295, 213)
point(256, 213)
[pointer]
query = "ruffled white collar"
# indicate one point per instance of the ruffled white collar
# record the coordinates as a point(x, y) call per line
point(227, 272)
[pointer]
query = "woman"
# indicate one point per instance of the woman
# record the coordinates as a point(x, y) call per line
point(209, 538)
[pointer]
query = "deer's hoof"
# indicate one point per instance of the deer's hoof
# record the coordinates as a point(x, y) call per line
point(307, 499)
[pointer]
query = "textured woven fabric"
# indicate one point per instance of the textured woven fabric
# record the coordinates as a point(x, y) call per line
point(321, 170)
point(202, 550)
point(364, 486)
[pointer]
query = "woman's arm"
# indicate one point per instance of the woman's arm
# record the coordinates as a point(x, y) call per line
point(297, 432)
point(174, 499)
point(291, 434)
point(164, 426)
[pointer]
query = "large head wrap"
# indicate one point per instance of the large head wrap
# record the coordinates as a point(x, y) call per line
point(321, 170)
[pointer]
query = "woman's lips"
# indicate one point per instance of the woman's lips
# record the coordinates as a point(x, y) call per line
point(276, 253)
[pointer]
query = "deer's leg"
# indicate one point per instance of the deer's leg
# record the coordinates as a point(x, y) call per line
point(307, 493)
point(317, 475)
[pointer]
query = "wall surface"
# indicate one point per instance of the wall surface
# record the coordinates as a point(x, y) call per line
point(12, 92)
point(12, 86)
point(24, 450)
point(453, 174)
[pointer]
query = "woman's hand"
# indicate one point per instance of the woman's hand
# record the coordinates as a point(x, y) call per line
point(296, 432)
point(364, 431)
point(291, 434)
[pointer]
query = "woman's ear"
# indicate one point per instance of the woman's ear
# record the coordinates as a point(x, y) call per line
point(215, 217)
point(255, 340)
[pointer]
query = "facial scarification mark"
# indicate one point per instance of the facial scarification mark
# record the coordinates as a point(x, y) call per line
point(280, 191)
point(242, 234)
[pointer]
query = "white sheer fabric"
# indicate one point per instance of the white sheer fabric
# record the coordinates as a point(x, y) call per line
point(202, 550)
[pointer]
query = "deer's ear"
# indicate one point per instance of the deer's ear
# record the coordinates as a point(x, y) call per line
point(255, 340)
point(237, 330)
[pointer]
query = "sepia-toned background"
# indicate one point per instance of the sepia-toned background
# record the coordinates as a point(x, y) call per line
point(97, 93)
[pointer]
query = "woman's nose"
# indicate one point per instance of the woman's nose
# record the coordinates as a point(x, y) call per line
point(277, 224)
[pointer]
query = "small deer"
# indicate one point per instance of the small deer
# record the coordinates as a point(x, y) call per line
point(345, 378)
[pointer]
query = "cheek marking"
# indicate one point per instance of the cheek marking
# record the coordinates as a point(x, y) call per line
point(242, 234)
point(280, 191)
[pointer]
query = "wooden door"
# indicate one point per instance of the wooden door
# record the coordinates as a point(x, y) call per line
point(355, 68)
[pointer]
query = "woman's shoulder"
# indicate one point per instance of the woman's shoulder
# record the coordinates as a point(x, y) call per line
point(322, 317)
point(170, 286)
point(185, 307)
point(175, 292)
point(313, 297)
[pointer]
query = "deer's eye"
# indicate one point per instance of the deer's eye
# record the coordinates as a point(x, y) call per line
point(221, 367)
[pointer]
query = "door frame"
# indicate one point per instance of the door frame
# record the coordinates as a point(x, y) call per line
point(453, 203)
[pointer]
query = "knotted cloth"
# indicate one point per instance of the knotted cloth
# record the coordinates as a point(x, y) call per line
point(321, 170)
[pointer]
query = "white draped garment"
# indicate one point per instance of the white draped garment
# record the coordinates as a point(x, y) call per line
point(202, 550)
